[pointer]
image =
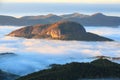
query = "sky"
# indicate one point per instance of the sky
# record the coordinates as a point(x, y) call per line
point(20, 8)
point(67, 1)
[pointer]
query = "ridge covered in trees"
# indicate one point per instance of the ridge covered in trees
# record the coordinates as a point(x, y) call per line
point(100, 68)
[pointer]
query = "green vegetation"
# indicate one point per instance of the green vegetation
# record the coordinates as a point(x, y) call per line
point(100, 68)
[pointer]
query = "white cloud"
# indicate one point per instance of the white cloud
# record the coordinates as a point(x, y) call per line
point(92, 52)
point(4, 48)
point(36, 54)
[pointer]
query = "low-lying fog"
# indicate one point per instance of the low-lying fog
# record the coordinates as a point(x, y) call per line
point(36, 54)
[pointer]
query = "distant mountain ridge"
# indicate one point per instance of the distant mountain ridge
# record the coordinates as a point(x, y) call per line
point(97, 19)
point(62, 30)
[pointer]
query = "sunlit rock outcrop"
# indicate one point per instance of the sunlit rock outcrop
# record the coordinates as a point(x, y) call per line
point(62, 30)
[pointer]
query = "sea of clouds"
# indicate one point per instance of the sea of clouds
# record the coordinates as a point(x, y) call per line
point(36, 54)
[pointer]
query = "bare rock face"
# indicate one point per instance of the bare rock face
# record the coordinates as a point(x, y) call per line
point(63, 30)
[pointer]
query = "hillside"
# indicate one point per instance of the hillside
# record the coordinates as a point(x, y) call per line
point(62, 30)
point(100, 68)
point(7, 76)
point(97, 19)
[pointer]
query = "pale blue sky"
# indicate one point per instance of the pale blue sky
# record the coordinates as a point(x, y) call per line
point(67, 1)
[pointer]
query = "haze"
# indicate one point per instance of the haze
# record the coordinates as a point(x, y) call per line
point(66, 1)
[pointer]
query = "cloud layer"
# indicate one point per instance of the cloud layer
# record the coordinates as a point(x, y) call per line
point(37, 54)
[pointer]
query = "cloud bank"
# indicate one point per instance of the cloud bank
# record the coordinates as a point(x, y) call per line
point(37, 54)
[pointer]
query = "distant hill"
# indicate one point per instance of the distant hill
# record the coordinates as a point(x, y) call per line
point(7, 54)
point(97, 19)
point(62, 30)
point(105, 57)
point(100, 68)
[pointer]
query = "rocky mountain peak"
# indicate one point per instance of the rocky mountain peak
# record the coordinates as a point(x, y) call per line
point(62, 30)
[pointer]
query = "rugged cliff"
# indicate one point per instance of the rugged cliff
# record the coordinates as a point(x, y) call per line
point(62, 30)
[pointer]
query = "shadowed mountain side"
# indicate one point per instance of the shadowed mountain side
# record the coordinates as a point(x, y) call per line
point(63, 30)
point(97, 19)
point(100, 68)
point(7, 76)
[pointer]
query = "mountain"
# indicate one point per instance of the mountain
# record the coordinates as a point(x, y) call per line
point(75, 71)
point(97, 19)
point(105, 57)
point(7, 76)
point(62, 30)
point(7, 54)
point(8, 20)
point(103, 62)
point(74, 15)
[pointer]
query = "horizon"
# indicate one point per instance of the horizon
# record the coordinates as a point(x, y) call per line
point(59, 14)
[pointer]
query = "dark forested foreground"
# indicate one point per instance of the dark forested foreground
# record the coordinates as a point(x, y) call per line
point(100, 68)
